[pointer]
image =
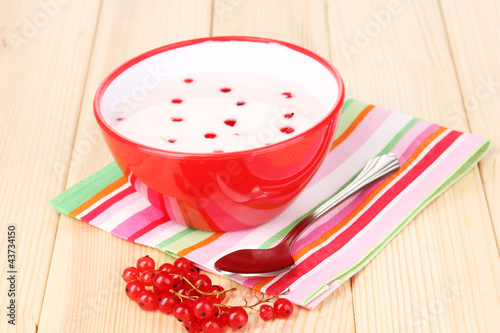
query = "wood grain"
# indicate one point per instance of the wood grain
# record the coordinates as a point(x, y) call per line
point(468, 25)
point(292, 21)
point(441, 273)
point(44, 57)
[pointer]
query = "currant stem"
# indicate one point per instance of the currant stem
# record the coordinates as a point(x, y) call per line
point(216, 293)
point(183, 296)
point(260, 300)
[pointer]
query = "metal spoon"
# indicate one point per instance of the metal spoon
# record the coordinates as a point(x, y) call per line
point(278, 259)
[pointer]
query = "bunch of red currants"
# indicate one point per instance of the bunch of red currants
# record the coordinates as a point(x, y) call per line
point(180, 289)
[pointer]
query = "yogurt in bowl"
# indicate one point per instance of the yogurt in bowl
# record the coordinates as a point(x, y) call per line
point(221, 133)
point(221, 112)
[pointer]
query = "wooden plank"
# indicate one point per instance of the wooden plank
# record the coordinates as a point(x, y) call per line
point(84, 289)
point(44, 53)
point(292, 21)
point(471, 28)
point(302, 23)
point(442, 272)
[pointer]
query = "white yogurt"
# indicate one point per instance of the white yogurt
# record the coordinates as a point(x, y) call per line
point(221, 112)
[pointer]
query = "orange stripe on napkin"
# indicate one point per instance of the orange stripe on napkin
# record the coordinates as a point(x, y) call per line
point(98, 196)
point(201, 244)
point(352, 127)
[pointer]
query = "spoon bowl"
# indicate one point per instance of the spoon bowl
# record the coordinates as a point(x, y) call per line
point(257, 262)
point(278, 259)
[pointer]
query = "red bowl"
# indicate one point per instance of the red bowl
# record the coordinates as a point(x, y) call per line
point(225, 191)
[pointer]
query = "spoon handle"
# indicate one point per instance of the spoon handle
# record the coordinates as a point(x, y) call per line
point(375, 169)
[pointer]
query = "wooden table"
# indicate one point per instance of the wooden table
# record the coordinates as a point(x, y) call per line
point(433, 59)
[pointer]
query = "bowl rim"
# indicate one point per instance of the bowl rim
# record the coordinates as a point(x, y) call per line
point(234, 154)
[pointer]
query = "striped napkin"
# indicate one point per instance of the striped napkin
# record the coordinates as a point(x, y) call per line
point(341, 242)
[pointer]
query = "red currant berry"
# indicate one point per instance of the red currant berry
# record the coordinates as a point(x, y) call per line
point(266, 312)
point(163, 281)
point(134, 288)
point(191, 275)
point(166, 303)
point(230, 122)
point(191, 292)
point(203, 308)
point(145, 263)
point(182, 264)
point(147, 277)
point(166, 267)
point(202, 282)
point(147, 300)
point(183, 311)
point(184, 290)
point(219, 288)
point(177, 277)
point(289, 115)
point(212, 325)
point(287, 130)
point(216, 298)
point(177, 298)
point(238, 317)
point(160, 293)
point(130, 273)
point(283, 308)
point(224, 316)
point(193, 325)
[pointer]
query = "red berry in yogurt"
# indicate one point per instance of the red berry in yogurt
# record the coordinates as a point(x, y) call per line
point(223, 112)
point(287, 130)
